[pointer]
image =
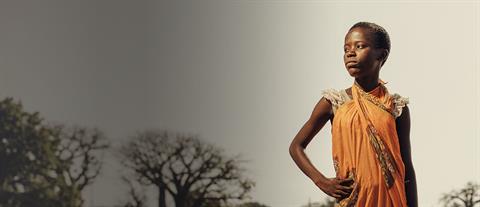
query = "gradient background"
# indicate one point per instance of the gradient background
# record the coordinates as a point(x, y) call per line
point(245, 75)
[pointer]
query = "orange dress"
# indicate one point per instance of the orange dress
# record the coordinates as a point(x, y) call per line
point(366, 147)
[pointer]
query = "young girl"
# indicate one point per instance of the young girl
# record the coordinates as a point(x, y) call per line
point(370, 131)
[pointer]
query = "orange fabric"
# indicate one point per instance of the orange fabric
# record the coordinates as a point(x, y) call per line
point(355, 156)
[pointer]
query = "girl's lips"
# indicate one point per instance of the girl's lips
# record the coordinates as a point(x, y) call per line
point(351, 64)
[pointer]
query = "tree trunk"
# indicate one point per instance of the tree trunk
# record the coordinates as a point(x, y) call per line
point(198, 202)
point(180, 202)
point(161, 196)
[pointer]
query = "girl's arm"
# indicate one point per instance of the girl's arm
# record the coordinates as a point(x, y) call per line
point(403, 131)
point(337, 188)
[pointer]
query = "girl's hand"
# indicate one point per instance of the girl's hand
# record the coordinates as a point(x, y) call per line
point(336, 187)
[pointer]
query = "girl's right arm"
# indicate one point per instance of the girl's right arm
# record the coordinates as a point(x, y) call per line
point(337, 188)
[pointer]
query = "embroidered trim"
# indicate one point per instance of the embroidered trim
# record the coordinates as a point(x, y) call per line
point(335, 165)
point(399, 103)
point(373, 99)
point(383, 155)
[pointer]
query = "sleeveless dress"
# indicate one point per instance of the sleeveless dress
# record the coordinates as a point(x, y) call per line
point(365, 145)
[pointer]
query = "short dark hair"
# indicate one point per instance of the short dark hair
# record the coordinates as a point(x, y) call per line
point(380, 36)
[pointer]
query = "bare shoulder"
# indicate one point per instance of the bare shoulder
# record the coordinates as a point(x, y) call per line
point(322, 110)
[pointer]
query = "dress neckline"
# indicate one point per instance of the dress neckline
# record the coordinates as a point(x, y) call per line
point(379, 85)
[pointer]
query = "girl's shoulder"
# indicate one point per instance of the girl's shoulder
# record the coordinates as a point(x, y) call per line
point(336, 97)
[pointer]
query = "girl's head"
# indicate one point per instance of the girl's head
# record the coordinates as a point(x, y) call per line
point(366, 49)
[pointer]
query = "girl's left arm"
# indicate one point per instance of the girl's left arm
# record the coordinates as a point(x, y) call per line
point(403, 131)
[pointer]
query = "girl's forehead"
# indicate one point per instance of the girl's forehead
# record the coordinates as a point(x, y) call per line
point(358, 34)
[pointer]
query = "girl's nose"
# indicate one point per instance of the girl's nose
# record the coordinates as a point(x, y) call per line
point(350, 53)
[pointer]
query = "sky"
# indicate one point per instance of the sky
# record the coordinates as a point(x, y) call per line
point(245, 75)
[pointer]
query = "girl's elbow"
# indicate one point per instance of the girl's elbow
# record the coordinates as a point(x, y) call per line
point(293, 148)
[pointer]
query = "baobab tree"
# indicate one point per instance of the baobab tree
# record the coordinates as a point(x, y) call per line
point(194, 173)
point(137, 197)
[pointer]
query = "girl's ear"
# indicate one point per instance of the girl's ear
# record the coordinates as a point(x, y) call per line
point(383, 55)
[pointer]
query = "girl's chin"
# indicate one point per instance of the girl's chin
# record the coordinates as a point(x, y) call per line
point(354, 72)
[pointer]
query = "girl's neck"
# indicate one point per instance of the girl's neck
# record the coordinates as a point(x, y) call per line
point(368, 83)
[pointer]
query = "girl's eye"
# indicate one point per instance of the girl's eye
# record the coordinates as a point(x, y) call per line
point(360, 46)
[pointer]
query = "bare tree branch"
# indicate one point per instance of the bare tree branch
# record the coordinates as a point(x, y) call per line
point(193, 172)
point(468, 196)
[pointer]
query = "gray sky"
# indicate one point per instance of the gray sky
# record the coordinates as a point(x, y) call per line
point(245, 75)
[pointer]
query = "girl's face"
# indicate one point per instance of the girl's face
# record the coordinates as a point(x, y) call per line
point(361, 58)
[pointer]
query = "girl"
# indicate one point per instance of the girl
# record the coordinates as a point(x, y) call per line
point(370, 131)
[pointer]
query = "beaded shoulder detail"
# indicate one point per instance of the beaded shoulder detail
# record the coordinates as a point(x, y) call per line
point(336, 97)
point(399, 102)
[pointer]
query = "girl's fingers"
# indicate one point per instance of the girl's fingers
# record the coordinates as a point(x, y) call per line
point(343, 193)
point(342, 187)
point(340, 193)
point(335, 195)
point(346, 188)
point(347, 181)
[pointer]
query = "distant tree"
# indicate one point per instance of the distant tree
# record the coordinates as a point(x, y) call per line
point(28, 162)
point(328, 202)
point(192, 172)
point(44, 165)
point(466, 197)
point(81, 153)
point(251, 204)
point(137, 199)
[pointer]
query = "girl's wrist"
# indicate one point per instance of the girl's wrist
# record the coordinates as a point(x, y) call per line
point(319, 181)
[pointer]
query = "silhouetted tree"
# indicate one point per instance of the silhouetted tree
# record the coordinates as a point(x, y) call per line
point(42, 165)
point(251, 204)
point(466, 197)
point(137, 199)
point(192, 172)
point(329, 202)
point(27, 159)
point(81, 152)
